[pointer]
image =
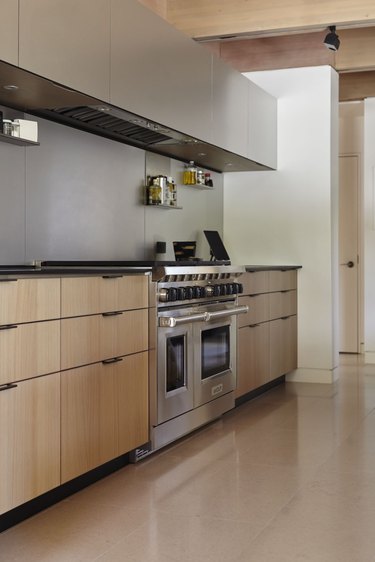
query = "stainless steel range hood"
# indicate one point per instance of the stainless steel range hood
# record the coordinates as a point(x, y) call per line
point(44, 98)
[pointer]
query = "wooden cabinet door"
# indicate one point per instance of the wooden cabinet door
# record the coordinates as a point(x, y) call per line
point(88, 419)
point(132, 393)
point(9, 34)
point(29, 440)
point(89, 339)
point(159, 73)
point(92, 295)
point(29, 350)
point(67, 41)
point(283, 346)
point(29, 300)
point(104, 413)
point(253, 358)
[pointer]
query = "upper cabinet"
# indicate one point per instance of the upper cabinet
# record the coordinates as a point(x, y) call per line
point(9, 33)
point(230, 108)
point(67, 41)
point(262, 126)
point(157, 72)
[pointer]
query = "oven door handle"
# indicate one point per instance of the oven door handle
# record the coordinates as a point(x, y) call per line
point(172, 321)
point(226, 312)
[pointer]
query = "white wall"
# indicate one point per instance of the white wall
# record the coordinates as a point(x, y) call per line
point(369, 227)
point(290, 216)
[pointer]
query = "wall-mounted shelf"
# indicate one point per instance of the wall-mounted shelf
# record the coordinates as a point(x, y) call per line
point(198, 186)
point(166, 207)
point(17, 140)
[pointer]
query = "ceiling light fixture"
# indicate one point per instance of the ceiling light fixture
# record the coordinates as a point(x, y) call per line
point(332, 40)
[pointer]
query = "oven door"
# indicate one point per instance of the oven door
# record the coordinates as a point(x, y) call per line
point(214, 359)
point(174, 372)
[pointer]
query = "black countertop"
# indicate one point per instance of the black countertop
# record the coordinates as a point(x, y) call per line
point(252, 268)
point(51, 268)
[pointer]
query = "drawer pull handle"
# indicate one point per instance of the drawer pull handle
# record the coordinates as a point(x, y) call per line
point(8, 386)
point(111, 276)
point(284, 317)
point(7, 280)
point(8, 327)
point(113, 360)
point(253, 325)
point(111, 313)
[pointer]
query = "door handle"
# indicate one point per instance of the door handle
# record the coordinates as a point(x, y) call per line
point(349, 264)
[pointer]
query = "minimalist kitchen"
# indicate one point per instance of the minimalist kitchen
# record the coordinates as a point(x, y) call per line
point(168, 259)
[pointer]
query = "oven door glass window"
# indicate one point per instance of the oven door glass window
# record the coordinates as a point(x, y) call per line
point(215, 350)
point(176, 363)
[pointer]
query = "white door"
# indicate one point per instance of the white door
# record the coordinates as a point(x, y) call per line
point(348, 254)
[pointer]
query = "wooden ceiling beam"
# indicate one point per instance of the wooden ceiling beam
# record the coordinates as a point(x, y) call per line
point(216, 18)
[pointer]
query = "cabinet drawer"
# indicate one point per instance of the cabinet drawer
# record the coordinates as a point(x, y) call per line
point(258, 310)
point(283, 304)
point(282, 280)
point(29, 300)
point(253, 358)
point(91, 295)
point(89, 339)
point(254, 282)
point(29, 350)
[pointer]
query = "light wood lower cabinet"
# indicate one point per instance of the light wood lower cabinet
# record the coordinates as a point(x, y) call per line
point(29, 440)
point(267, 333)
point(253, 367)
point(104, 413)
point(283, 346)
point(88, 339)
point(29, 300)
point(29, 350)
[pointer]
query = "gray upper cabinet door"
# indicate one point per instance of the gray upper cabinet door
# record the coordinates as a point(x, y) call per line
point(230, 109)
point(9, 32)
point(262, 126)
point(157, 72)
point(67, 41)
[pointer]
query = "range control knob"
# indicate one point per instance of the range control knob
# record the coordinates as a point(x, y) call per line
point(197, 292)
point(172, 294)
point(223, 289)
point(189, 293)
point(229, 287)
point(216, 289)
point(239, 288)
point(181, 293)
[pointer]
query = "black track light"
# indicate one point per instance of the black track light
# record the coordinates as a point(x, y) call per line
point(332, 40)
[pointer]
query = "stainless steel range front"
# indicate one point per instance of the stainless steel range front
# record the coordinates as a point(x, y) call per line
point(193, 359)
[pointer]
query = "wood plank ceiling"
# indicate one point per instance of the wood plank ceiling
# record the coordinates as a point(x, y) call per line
point(270, 34)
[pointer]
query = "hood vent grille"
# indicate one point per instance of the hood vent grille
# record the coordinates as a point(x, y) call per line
point(105, 123)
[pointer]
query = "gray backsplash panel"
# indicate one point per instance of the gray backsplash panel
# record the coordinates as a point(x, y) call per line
point(12, 203)
point(83, 197)
point(80, 197)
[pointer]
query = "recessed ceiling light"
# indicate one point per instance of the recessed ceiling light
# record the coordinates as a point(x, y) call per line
point(202, 154)
point(10, 87)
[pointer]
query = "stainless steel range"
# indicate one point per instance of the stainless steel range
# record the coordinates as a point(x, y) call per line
point(193, 348)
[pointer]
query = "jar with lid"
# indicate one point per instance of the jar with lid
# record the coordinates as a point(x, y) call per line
point(7, 127)
point(200, 177)
point(190, 174)
point(172, 192)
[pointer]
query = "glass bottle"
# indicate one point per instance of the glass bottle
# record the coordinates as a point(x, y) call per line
point(190, 174)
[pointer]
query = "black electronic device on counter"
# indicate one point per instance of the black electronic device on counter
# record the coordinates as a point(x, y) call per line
point(217, 248)
point(184, 250)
